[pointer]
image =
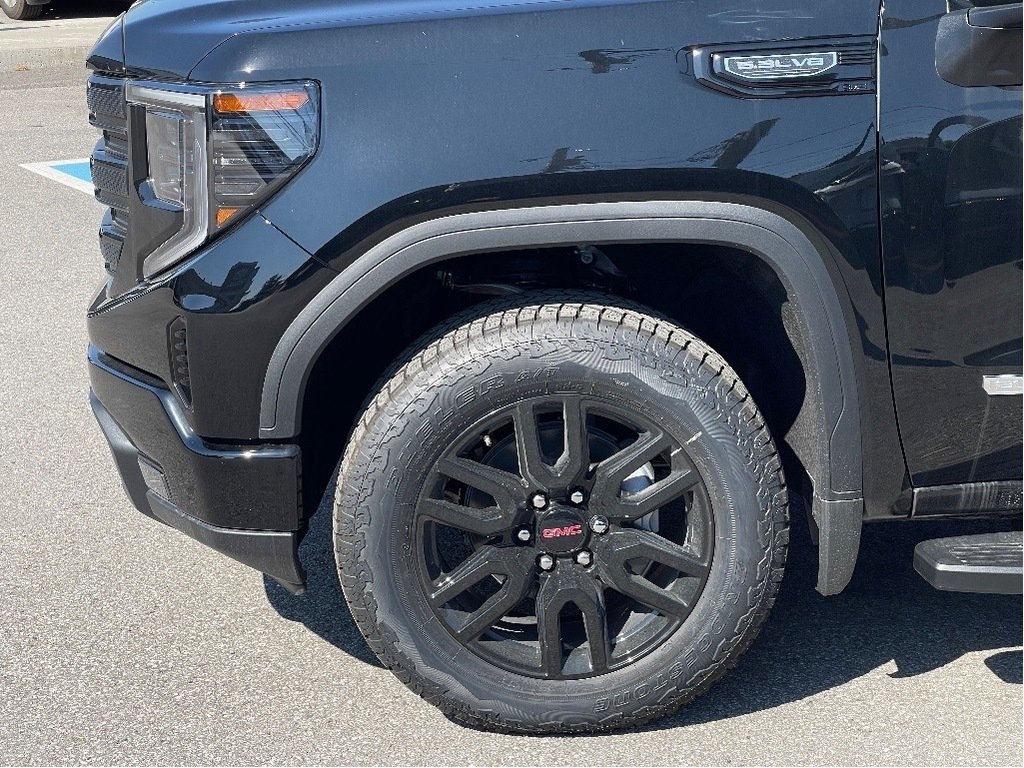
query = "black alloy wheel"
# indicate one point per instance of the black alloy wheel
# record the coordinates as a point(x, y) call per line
point(539, 556)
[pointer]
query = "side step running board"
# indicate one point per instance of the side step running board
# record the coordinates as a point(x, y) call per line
point(989, 562)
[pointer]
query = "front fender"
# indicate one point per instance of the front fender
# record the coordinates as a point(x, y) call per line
point(829, 418)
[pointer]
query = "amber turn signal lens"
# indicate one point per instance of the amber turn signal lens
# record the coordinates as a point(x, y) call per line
point(224, 215)
point(233, 103)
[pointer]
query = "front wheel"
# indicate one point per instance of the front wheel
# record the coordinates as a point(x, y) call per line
point(20, 10)
point(562, 514)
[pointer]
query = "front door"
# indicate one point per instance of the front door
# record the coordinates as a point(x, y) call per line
point(950, 196)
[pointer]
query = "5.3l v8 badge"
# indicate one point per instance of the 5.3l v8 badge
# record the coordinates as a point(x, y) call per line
point(779, 66)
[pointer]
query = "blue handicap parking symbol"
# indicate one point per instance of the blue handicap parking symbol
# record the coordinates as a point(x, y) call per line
point(71, 173)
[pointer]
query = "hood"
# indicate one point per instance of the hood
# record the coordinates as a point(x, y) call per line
point(166, 39)
point(107, 54)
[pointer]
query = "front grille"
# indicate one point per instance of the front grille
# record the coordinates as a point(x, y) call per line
point(108, 112)
point(111, 181)
point(110, 248)
point(105, 97)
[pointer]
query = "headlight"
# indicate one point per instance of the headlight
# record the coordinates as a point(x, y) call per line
point(165, 155)
point(261, 136)
point(213, 155)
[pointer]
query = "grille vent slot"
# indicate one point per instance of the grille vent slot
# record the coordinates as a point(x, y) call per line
point(177, 345)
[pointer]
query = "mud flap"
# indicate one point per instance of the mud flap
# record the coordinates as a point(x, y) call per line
point(838, 524)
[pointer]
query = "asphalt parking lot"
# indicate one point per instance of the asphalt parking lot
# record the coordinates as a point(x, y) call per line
point(123, 642)
point(50, 49)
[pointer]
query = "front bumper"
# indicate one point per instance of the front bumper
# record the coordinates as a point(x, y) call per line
point(243, 501)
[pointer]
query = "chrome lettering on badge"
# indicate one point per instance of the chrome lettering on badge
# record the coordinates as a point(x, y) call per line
point(775, 66)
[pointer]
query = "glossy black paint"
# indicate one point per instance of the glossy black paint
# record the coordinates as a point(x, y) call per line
point(236, 299)
point(585, 101)
point(273, 552)
point(227, 486)
point(107, 55)
point(951, 227)
point(199, 26)
point(980, 46)
point(435, 108)
point(593, 106)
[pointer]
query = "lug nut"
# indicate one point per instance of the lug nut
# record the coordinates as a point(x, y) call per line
point(576, 497)
point(523, 534)
point(546, 562)
point(539, 501)
point(599, 524)
point(584, 558)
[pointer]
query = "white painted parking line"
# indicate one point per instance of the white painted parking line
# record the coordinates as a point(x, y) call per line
point(70, 173)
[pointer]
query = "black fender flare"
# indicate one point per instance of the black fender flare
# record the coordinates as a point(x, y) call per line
point(831, 409)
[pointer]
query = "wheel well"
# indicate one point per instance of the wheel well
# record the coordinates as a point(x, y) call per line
point(730, 298)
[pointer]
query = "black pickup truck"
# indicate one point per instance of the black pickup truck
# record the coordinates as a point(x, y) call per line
point(573, 300)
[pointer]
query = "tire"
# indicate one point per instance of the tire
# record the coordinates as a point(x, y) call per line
point(20, 10)
point(443, 474)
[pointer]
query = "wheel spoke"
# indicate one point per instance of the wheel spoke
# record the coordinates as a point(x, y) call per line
point(564, 586)
point(618, 548)
point(467, 574)
point(531, 461)
point(659, 494)
point(632, 544)
point(516, 566)
point(575, 457)
point(573, 461)
point(549, 630)
point(504, 487)
point(611, 472)
point(649, 594)
point(512, 593)
point(488, 521)
point(595, 621)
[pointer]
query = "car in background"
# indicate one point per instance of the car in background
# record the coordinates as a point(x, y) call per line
point(26, 10)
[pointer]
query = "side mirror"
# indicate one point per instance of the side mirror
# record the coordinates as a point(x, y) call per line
point(980, 46)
